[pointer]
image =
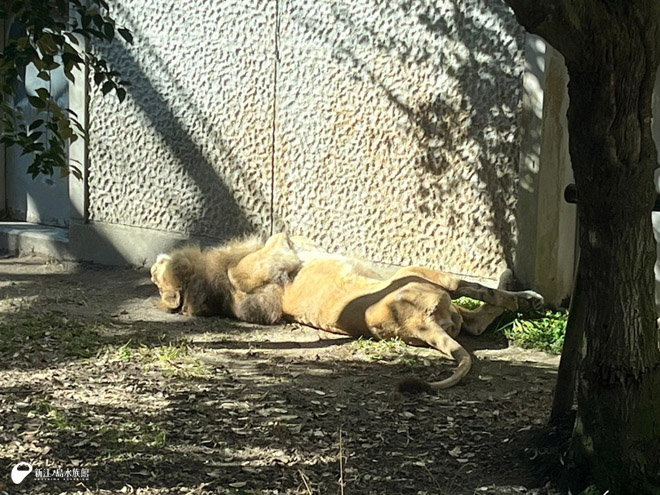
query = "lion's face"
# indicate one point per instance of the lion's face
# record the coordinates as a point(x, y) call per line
point(169, 287)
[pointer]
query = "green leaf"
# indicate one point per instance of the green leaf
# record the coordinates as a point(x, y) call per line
point(43, 94)
point(72, 38)
point(36, 124)
point(121, 94)
point(36, 102)
point(109, 30)
point(7, 140)
point(99, 77)
point(107, 87)
point(98, 20)
point(69, 75)
point(47, 44)
point(77, 173)
point(43, 75)
point(70, 56)
point(82, 32)
point(126, 34)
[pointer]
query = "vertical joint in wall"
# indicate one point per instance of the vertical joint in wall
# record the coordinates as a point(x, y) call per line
point(276, 62)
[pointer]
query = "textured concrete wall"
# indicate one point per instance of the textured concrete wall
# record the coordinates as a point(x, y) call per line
point(397, 129)
point(190, 149)
point(396, 125)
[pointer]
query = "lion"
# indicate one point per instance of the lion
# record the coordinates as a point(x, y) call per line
point(243, 279)
point(292, 279)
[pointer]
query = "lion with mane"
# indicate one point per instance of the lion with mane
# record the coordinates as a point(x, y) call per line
point(292, 279)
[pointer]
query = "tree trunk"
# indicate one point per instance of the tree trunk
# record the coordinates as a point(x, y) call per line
point(611, 52)
point(617, 435)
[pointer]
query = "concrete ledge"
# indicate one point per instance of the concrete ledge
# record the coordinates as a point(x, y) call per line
point(112, 244)
point(102, 243)
point(28, 238)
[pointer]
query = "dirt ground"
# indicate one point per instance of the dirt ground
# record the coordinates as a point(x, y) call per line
point(102, 393)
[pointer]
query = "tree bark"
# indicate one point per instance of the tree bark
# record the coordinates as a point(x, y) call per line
point(611, 52)
point(562, 403)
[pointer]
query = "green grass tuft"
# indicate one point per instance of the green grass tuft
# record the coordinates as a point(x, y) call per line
point(545, 333)
point(467, 303)
point(392, 350)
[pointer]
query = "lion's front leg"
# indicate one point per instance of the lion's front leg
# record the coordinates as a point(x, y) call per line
point(272, 264)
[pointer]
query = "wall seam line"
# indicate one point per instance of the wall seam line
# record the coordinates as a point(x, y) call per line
point(274, 113)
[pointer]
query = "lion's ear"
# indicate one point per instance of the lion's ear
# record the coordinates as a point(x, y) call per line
point(170, 300)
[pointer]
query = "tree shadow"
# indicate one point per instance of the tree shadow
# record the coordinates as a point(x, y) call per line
point(259, 427)
point(466, 118)
point(186, 194)
point(176, 403)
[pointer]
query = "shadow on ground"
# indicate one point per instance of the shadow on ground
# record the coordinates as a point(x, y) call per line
point(95, 378)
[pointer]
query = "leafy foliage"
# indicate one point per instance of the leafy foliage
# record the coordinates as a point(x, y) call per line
point(545, 333)
point(55, 36)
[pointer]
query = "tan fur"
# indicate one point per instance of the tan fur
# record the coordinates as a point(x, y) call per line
point(294, 279)
point(231, 280)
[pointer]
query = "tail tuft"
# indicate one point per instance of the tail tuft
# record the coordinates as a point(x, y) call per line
point(414, 386)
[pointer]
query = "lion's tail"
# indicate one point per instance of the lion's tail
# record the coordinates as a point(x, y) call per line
point(447, 345)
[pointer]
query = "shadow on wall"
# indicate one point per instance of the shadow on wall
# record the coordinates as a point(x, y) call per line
point(447, 124)
point(203, 205)
point(468, 127)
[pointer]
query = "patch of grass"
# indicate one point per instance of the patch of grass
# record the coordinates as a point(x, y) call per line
point(393, 350)
point(58, 417)
point(121, 434)
point(125, 353)
point(545, 333)
point(54, 416)
point(130, 437)
point(173, 358)
point(468, 303)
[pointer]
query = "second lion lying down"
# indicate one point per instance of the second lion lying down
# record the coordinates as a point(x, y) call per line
point(291, 279)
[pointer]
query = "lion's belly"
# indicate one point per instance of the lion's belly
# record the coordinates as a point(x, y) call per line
point(321, 296)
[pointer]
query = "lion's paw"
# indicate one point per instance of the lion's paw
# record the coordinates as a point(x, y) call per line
point(530, 302)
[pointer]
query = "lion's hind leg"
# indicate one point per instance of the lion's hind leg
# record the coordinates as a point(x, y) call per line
point(525, 301)
point(421, 314)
